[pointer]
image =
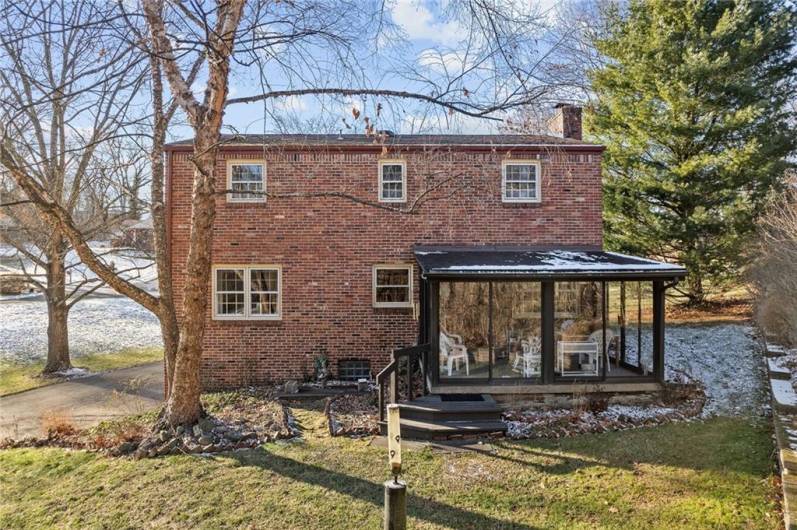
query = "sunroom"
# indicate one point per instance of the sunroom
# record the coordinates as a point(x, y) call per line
point(516, 320)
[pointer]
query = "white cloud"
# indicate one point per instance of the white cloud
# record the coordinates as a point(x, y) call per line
point(291, 103)
point(419, 23)
point(441, 62)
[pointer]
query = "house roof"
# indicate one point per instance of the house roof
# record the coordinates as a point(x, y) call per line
point(409, 140)
point(530, 262)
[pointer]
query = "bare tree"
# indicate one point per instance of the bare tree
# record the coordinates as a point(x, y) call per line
point(315, 48)
point(289, 37)
point(57, 109)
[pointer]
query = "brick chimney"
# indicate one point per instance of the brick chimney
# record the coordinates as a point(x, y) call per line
point(566, 122)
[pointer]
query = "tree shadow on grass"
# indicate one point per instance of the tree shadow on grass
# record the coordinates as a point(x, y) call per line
point(419, 507)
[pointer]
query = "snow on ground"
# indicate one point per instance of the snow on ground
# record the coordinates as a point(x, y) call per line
point(96, 325)
point(132, 265)
point(726, 358)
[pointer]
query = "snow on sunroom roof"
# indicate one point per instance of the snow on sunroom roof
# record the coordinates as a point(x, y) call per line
point(477, 261)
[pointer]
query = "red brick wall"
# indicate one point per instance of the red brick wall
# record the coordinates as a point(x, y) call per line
point(327, 246)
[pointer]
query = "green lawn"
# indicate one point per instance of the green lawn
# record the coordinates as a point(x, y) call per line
point(18, 377)
point(713, 474)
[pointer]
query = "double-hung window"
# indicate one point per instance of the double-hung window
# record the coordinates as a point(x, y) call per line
point(246, 181)
point(520, 181)
point(247, 292)
point(392, 285)
point(392, 181)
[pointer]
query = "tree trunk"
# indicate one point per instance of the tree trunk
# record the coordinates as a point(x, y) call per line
point(57, 315)
point(695, 293)
point(183, 406)
point(167, 314)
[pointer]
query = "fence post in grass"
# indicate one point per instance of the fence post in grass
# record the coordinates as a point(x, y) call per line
point(395, 489)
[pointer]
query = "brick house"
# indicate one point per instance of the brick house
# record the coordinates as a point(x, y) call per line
point(484, 250)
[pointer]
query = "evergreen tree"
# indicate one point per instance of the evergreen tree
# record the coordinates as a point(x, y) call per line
point(692, 105)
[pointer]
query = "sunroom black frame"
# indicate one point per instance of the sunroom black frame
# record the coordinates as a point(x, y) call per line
point(527, 267)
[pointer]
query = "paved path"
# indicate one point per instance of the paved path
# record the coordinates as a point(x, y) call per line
point(83, 402)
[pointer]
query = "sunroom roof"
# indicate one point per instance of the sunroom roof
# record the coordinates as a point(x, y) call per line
point(479, 261)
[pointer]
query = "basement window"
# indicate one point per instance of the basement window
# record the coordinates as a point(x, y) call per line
point(246, 180)
point(353, 370)
point(247, 292)
point(392, 285)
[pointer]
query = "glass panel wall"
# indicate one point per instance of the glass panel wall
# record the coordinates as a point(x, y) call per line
point(629, 328)
point(493, 330)
point(517, 330)
point(578, 329)
point(464, 330)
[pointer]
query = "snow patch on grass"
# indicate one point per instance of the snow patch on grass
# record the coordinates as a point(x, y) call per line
point(96, 325)
point(726, 359)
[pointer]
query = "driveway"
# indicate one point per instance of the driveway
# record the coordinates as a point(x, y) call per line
point(83, 402)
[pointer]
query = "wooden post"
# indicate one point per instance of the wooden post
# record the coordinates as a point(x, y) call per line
point(395, 505)
point(395, 490)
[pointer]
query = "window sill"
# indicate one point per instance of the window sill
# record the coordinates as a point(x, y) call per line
point(254, 322)
point(400, 307)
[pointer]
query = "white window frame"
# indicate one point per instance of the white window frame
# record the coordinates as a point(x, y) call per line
point(393, 162)
point(248, 292)
point(537, 180)
point(246, 162)
point(393, 266)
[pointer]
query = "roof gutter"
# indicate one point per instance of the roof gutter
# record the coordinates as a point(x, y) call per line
point(674, 275)
point(378, 147)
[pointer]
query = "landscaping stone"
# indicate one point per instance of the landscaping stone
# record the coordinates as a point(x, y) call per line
point(291, 387)
point(778, 367)
point(127, 447)
point(784, 396)
point(206, 425)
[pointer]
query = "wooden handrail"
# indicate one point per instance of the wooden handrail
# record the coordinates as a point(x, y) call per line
point(390, 374)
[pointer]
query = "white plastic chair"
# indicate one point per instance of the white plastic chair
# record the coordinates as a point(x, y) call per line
point(597, 338)
point(451, 353)
point(530, 360)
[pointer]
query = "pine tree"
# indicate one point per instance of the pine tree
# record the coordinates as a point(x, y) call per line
point(692, 105)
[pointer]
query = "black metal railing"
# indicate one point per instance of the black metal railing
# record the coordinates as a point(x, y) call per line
point(409, 363)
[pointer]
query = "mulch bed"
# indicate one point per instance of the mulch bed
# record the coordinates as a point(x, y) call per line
point(681, 402)
point(353, 415)
point(236, 420)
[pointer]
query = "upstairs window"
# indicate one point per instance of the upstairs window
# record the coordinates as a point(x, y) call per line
point(520, 181)
point(392, 181)
point(246, 180)
point(392, 285)
point(247, 293)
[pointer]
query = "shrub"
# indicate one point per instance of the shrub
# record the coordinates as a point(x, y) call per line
point(773, 268)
